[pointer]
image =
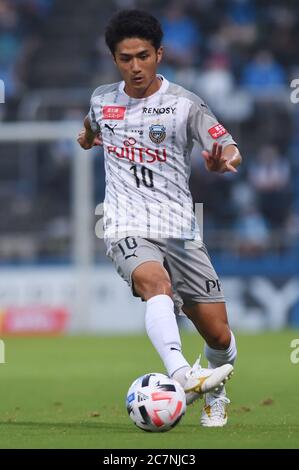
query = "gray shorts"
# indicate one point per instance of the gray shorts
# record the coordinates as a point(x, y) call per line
point(192, 275)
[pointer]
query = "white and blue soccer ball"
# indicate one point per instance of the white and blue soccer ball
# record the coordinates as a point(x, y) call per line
point(155, 402)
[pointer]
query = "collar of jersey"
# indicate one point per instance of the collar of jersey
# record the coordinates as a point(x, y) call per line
point(162, 89)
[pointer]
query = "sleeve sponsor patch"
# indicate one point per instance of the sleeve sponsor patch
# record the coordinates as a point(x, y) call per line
point(115, 113)
point(217, 131)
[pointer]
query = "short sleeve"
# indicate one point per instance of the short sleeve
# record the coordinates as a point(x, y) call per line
point(95, 105)
point(92, 119)
point(205, 128)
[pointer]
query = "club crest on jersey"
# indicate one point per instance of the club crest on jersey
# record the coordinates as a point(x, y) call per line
point(157, 133)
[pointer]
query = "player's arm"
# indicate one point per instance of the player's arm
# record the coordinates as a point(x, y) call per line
point(87, 138)
point(222, 159)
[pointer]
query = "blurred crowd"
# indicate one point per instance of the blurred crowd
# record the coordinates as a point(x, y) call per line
point(238, 55)
point(21, 24)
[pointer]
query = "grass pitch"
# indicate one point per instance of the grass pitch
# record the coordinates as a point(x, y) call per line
point(69, 392)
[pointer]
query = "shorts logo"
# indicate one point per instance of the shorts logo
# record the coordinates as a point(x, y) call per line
point(212, 284)
point(217, 131)
point(157, 133)
point(114, 113)
point(130, 256)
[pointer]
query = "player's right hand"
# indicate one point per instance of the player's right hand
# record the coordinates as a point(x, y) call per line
point(87, 143)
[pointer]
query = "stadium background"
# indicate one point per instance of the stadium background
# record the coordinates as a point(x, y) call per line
point(239, 55)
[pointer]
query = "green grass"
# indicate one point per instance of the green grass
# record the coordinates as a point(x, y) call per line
point(51, 387)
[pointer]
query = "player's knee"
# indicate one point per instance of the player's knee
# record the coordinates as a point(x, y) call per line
point(150, 287)
point(162, 286)
point(220, 339)
point(158, 287)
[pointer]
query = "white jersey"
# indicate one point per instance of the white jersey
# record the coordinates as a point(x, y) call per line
point(147, 146)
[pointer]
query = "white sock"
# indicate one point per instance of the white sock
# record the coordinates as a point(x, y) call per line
point(180, 375)
point(162, 329)
point(218, 357)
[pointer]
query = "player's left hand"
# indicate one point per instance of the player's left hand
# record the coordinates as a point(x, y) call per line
point(215, 161)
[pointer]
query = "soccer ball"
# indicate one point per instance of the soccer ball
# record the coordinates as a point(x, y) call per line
point(155, 402)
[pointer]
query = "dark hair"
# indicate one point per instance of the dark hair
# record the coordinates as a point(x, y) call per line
point(133, 24)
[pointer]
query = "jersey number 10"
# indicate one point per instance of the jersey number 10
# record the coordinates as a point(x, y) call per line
point(146, 176)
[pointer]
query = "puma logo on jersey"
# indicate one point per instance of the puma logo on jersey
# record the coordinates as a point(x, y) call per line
point(168, 110)
point(111, 129)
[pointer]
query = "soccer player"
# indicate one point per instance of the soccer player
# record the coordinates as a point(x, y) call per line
point(147, 126)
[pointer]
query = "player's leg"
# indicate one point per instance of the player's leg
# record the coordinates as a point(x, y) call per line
point(152, 283)
point(210, 319)
point(197, 284)
point(140, 263)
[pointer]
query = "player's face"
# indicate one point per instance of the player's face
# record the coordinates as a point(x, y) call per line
point(137, 61)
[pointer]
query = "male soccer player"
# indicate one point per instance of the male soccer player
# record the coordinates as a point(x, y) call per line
point(147, 126)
